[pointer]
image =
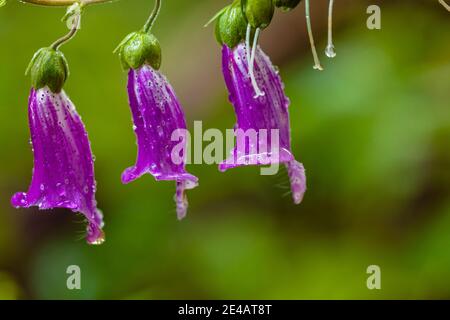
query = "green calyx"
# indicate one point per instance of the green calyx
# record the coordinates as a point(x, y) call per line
point(139, 48)
point(258, 13)
point(49, 68)
point(286, 5)
point(231, 25)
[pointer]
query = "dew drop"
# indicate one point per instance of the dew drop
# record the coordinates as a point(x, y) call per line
point(330, 52)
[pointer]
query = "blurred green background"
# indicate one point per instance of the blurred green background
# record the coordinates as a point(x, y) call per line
point(373, 131)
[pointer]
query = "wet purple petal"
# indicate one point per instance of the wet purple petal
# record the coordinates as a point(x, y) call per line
point(157, 114)
point(297, 177)
point(63, 174)
point(266, 115)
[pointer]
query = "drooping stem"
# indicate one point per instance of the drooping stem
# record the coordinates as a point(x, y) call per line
point(329, 51)
point(317, 64)
point(73, 31)
point(446, 6)
point(63, 3)
point(148, 25)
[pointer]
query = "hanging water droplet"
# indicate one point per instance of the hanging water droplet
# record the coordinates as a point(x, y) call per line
point(330, 52)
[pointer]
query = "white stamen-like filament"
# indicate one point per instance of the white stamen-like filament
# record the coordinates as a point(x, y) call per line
point(251, 53)
point(317, 64)
point(446, 6)
point(329, 51)
point(247, 43)
point(258, 92)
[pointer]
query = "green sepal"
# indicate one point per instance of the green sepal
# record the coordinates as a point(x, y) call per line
point(286, 5)
point(48, 67)
point(258, 13)
point(2, 3)
point(217, 33)
point(139, 48)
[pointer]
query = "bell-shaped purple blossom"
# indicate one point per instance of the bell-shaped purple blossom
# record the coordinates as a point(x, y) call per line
point(266, 115)
point(157, 115)
point(63, 174)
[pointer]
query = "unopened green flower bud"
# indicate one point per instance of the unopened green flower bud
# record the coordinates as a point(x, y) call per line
point(231, 25)
point(259, 13)
point(286, 5)
point(140, 48)
point(48, 68)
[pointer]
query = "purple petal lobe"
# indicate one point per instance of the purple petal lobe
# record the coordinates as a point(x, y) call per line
point(63, 174)
point(297, 176)
point(181, 200)
point(157, 116)
point(263, 128)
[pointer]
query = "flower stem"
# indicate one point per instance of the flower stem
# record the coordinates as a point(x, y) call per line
point(75, 25)
point(317, 64)
point(446, 6)
point(148, 25)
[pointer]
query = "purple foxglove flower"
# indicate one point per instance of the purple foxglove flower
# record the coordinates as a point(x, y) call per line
point(266, 114)
point(157, 114)
point(63, 175)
